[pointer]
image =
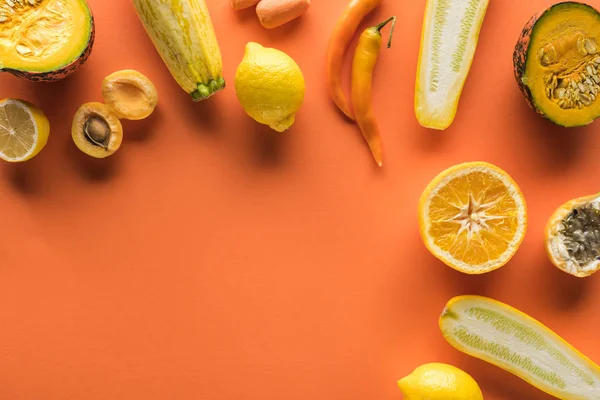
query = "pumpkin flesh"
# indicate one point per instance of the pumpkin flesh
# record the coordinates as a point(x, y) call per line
point(43, 37)
point(563, 64)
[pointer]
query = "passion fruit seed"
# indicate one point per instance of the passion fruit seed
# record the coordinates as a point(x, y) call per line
point(581, 233)
point(97, 131)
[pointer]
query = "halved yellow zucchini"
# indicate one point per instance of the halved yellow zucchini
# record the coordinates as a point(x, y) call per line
point(448, 41)
point(509, 339)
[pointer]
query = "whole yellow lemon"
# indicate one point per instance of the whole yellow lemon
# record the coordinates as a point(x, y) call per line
point(270, 86)
point(439, 382)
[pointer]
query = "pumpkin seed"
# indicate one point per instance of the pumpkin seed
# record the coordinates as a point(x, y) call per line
point(559, 93)
point(589, 70)
point(585, 99)
point(596, 78)
point(582, 87)
point(563, 83)
point(3, 18)
point(23, 50)
point(590, 46)
point(10, 3)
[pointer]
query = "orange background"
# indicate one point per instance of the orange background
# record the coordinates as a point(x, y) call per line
point(213, 259)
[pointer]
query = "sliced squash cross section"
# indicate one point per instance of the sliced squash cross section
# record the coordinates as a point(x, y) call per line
point(449, 38)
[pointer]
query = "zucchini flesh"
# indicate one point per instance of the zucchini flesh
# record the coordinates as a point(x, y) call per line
point(505, 337)
point(448, 41)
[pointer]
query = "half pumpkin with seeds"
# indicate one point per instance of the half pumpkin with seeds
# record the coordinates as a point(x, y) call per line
point(473, 217)
point(573, 236)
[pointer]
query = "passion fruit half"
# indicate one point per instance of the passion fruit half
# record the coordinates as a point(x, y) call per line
point(573, 236)
point(96, 130)
point(130, 94)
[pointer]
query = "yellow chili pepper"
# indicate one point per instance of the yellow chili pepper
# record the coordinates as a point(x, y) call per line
point(365, 58)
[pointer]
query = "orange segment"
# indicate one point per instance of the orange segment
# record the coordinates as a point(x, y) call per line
point(473, 217)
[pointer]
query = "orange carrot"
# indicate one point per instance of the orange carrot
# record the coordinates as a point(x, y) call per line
point(338, 43)
point(274, 13)
point(241, 4)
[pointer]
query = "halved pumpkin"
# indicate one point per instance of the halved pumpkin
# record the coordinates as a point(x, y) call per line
point(44, 40)
point(557, 63)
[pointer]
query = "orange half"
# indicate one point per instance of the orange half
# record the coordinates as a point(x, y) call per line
point(473, 217)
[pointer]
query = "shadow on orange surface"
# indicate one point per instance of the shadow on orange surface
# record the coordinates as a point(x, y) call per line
point(206, 115)
point(558, 147)
point(142, 130)
point(90, 168)
point(24, 177)
point(564, 291)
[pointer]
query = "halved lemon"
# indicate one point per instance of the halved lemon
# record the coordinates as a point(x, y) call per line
point(24, 130)
point(473, 217)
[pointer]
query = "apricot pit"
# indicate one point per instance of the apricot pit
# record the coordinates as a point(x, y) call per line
point(96, 130)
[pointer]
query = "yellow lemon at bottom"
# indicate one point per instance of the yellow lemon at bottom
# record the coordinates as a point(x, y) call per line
point(270, 86)
point(437, 381)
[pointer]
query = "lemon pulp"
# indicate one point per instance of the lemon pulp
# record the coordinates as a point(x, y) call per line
point(24, 130)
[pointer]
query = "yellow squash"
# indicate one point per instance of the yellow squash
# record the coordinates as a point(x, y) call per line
point(448, 41)
point(183, 34)
point(509, 339)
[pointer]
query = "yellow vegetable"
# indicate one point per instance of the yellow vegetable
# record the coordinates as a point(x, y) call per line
point(437, 381)
point(448, 42)
point(184, 36)
point(507, 338)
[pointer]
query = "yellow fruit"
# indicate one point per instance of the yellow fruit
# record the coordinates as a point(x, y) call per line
point(439, 382)
point(96, 130)
point(511, 340)
point(270, 86)
point(24, 130)
point(572, 236)
point(129, 94)
point(473, 217)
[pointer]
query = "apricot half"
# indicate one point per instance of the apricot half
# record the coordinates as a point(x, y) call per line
point(130, 94)
point(96, 130)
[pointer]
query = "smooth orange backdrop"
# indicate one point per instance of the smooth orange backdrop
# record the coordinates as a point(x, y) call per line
point(213, 259)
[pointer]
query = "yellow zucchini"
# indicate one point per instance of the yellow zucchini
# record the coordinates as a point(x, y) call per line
point(509, 339)
point(184, 36)
point(448, 41)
